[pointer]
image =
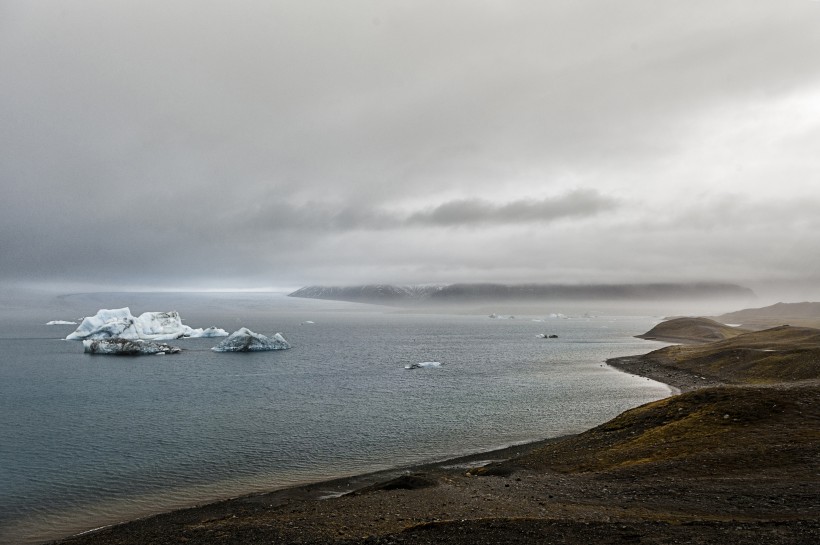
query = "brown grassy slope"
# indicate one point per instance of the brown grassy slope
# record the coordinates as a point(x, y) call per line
point(779, 354)
point(691, 330)
point(796, 314)
point(726, 431)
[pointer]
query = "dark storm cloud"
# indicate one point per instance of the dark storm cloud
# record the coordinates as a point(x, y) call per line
point(266, 142)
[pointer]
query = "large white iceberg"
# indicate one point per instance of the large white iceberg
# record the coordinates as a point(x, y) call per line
point(245, 340)
point(155, 326)
point(125, 347)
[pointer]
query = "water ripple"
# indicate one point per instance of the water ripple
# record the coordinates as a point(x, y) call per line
point(90, 441)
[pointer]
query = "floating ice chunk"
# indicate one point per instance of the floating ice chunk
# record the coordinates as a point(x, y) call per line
point(107, 323)
point(245, 340)
point(161, 326)
point(423, 365)
point(168, 325)
point(60, 322)
point(208, 332)
point(126, 347)
point(154, 326)
point(307, 322)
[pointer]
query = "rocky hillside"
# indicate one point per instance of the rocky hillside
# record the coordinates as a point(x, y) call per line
point(723, 431)
point(691, 330)
point(780, 354)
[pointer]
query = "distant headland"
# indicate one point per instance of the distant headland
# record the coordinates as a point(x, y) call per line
point(392, 294)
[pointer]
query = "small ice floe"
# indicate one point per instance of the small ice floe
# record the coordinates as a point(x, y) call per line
point(60, 322)
point(307, 322)
point(127, 347)
point(208, 332)
point(558, 315)
point(423, 365)
point(245, 340)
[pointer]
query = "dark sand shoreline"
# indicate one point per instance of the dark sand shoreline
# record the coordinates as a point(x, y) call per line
point(337, 487)
point(678, 379)
point(505, 496)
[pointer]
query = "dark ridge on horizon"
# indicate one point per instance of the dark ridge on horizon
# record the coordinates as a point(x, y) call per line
point(387, 294)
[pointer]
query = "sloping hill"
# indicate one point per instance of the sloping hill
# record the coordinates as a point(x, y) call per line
point(727, 431)
point(691, 330)
point(780, 354)
point(798, 314)
point(746, 430)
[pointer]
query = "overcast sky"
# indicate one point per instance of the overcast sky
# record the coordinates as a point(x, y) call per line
point(209, 144)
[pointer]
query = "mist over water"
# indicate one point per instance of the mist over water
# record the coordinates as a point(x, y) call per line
point(93, 440)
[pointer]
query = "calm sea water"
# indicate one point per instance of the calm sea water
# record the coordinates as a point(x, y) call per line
point(87, 441)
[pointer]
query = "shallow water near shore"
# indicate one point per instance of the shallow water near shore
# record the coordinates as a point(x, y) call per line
point(94, 440)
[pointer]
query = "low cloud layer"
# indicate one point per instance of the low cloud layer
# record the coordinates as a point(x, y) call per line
point(467, 213)
point(281, 144)
point(477, 212)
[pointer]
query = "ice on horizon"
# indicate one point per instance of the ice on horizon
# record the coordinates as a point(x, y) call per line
point(153, 326)
point(60, 322)
point(245, 340)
